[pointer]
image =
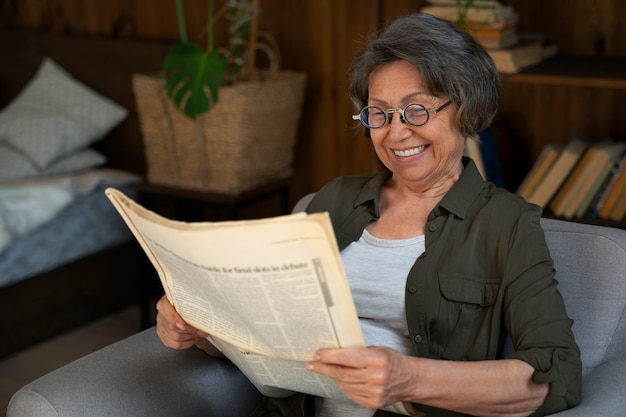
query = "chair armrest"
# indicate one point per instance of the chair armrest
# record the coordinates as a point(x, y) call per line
point(302, 204)
point(603, 392)
point(138, 376)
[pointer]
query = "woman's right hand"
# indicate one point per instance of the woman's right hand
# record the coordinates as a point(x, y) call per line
point(173, 331)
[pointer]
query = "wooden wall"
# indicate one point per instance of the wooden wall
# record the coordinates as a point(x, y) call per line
point(320, 37)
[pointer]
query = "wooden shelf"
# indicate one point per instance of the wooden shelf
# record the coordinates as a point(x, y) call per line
point(575, 72)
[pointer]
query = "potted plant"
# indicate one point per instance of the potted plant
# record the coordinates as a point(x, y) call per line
point(193, 75)
point(210, 122)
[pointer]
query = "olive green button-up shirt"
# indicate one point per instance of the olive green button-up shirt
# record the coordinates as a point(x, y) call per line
point(486, 274)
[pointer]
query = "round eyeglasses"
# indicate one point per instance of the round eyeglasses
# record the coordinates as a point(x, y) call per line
point(373, 117)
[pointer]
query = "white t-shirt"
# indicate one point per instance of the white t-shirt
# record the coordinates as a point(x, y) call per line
point(377, 270)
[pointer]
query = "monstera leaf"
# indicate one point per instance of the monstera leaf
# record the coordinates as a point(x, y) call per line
point(193, 77)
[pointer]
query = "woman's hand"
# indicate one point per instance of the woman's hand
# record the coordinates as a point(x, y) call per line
point(175, 333)
point(373, 377)
point(376, 377)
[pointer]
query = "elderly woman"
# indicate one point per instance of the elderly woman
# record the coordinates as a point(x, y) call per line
point(443, 266)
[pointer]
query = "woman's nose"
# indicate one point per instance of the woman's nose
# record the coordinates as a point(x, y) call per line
point(398, 127)
point(390, 115)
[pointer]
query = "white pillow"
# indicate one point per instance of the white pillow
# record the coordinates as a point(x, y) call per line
point(14, 165)
point(56, 114)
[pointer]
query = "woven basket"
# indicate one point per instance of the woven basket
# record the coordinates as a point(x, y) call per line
point(246, 140)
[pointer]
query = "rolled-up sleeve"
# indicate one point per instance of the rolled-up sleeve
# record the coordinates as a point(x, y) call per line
point(558, 368)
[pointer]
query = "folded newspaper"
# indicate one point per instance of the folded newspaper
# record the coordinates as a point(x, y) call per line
point(269, 292)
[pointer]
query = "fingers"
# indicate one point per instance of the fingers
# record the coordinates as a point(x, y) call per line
point(358, 358)
point(350, 366)
point(368, 376)
point(173, 331)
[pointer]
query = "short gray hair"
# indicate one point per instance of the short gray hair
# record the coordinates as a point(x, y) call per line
point(452, 63)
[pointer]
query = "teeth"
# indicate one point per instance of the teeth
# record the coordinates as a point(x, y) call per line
point(410, 152)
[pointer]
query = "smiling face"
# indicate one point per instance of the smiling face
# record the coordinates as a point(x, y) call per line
point(420, 157)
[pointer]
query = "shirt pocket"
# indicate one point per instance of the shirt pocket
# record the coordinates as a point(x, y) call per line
point(468, 310)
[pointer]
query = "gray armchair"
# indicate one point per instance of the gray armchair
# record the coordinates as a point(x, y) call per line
point(140, 377)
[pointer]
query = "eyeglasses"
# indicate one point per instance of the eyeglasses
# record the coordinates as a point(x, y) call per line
point(373, 117)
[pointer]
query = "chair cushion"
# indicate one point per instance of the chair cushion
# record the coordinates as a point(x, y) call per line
point(591, 269)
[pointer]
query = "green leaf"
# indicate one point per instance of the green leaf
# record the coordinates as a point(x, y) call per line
point(193, 78)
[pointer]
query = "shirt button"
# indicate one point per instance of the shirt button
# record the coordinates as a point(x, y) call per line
point(418, 339)
point(432, 227)
point(412, 289)
point(437, 212)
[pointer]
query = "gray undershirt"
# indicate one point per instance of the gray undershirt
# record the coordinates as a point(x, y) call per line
point(377, 270)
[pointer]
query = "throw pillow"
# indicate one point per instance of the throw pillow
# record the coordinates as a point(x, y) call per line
point(55, 114)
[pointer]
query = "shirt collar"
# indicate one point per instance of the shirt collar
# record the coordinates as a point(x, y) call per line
point(371, 191)
point(456, 201)
point(463, 193)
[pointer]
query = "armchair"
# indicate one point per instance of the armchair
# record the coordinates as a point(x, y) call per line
point(140, 377)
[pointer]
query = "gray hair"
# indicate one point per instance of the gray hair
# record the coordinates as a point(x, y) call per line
point(452, 63)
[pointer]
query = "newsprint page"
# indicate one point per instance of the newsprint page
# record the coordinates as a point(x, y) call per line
point(270, 292)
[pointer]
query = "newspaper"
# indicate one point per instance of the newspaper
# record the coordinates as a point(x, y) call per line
point(269, 292)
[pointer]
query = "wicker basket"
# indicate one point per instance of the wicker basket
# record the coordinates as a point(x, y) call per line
point(246, 140)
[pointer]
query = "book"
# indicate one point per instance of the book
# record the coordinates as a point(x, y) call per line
point(269, 292)
point(484, 32)
point(598, 188)
point(566, 191)
point(525, 53)
point(619, 209)
point(605, 154)
point(610, 207)
point(540, 168)
point(608, 189)
point(493, 37)
point(558, 172)
point(505, 41)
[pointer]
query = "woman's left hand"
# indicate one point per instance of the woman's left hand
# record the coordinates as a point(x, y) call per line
point(374, 377)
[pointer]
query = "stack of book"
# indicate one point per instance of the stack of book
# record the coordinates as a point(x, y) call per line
point(579, 180)
point(495, 27)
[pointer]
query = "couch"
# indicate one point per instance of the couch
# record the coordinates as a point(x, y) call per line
point(140, 377)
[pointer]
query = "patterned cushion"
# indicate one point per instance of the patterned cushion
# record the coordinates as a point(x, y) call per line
point(55, 115)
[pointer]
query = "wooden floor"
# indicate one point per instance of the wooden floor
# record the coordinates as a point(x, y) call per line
point(19, 369)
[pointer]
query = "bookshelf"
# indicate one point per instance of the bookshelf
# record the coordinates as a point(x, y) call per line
point(574, 71)
point(563, 97)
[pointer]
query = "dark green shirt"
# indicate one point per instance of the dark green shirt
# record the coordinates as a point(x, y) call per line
point(486, 273)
